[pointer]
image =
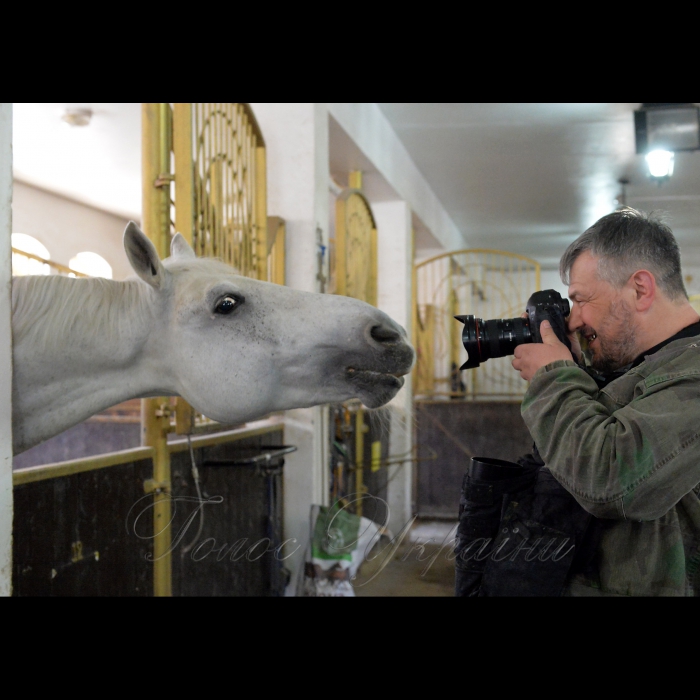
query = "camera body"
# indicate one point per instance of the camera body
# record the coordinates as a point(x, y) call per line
point(499, 337)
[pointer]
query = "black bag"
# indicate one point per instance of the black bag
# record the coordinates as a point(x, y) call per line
point(520, 532)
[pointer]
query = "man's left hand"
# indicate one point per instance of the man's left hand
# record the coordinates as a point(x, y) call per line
point(529, 357)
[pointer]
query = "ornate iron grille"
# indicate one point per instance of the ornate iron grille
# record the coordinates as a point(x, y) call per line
point(225, 182)
point(485, 283)
point(355, 249)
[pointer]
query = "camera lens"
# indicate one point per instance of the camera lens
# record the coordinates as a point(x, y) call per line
point(495, 338)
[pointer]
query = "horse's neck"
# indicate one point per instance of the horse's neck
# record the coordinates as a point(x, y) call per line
point(79, 347)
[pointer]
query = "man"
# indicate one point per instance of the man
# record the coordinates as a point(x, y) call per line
point(627, 447)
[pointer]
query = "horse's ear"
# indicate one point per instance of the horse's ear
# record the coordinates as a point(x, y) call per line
point(180, 248)
point(143, 256)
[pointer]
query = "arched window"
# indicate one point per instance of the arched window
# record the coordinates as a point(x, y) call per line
point(91, 264)
point(23, 264)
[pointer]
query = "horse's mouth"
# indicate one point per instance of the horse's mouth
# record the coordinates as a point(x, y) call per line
point(367, 376)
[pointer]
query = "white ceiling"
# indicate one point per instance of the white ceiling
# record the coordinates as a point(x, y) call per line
point(99, 164)
point(529, 178)
point(523, 177)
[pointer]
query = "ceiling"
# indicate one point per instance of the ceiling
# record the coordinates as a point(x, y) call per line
point(531, 177)
point(99, 164)
point(522, 177)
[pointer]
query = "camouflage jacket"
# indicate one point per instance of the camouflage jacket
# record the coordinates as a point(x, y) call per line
point(629, 454)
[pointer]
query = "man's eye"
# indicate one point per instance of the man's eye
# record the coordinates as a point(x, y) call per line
point(227, 305)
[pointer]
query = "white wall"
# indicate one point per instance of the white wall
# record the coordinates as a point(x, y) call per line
point(298, 161)
point(549, 279)
point(5, 349)
point(365, 123)
point(394, 257)
point(296, 138)
point(67, 227)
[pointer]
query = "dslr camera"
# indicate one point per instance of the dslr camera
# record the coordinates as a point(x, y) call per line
point(499, 337)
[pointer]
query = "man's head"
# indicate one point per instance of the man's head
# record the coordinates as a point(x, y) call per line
point(616, 271)
point(626, 241)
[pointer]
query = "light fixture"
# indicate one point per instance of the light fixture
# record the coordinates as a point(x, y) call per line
point(77, 117)
point(662, 129)
point(660, 163)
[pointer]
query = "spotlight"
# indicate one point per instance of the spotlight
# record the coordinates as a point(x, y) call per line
point(77, 117)
point(664, 128)
point(660, 163)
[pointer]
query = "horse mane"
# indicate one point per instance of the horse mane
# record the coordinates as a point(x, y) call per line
point(55, 311)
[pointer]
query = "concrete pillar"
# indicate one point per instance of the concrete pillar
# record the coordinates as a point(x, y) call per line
point(5, 348)
point(296, 137)
point(395, 266)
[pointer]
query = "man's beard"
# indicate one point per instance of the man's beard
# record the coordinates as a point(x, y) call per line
point(617, 340)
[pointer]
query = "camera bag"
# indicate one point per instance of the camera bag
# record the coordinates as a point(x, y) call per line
point(520, 532)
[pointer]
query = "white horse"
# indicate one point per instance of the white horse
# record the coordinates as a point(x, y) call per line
point(235, 348)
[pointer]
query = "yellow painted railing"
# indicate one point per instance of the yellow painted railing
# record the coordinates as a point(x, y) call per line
point(56, 267)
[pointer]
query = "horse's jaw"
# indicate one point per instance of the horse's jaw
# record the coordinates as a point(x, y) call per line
point(374, 389)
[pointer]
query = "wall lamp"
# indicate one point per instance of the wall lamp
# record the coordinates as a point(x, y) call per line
point(662, 129)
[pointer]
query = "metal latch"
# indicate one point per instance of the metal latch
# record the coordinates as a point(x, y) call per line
point(153, 486)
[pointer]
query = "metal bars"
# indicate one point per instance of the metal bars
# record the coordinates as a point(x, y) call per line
point(220, 185)
point(488, 284)
point(220, 198)
point(355, 270)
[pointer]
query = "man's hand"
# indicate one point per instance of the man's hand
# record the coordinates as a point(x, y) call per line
point(529, 357)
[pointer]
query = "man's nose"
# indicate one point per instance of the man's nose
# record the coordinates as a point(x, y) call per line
point(574, 320)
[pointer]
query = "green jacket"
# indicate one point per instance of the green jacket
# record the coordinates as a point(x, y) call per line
point(630, 454)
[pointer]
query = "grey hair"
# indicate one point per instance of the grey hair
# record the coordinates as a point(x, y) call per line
point(626, 241)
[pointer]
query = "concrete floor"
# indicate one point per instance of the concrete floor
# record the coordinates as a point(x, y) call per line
point(419, 565)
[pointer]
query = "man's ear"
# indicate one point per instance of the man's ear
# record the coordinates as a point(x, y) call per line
point(644, 286)
point(143, 256)
point(180, 248)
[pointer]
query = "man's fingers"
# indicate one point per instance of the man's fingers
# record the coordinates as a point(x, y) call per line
point(548, 335)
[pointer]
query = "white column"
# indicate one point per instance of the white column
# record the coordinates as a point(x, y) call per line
point(395, 266)
point(5, 349)
point(296, 138)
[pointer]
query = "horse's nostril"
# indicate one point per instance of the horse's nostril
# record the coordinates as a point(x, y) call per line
point(385, 334)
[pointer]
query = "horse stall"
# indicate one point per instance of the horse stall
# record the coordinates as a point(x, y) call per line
point(86, 528)
point(475, 412)
point(448, 435)
point(196, 507)
point(359, 460)
point(174, 503)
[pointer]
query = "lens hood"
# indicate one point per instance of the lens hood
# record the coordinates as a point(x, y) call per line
point(488, 469)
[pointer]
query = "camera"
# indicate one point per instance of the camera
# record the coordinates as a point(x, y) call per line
point(499, 337)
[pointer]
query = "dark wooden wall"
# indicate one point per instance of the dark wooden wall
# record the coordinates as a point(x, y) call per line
point(73, 535)
point(448, 434)
point(79, 535)
point(235, 555)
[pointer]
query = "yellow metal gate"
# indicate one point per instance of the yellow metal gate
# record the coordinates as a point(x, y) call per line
point(485, 283)
point(204, 176)
point(353, 260)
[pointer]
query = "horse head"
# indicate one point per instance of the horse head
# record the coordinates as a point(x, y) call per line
point(237, 348)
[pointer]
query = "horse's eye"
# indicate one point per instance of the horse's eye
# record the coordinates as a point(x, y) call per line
point(227, 305)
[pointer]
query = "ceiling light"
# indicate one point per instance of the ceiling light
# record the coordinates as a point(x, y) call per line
point(660, 163)
point(662, 129)
point(77, 117)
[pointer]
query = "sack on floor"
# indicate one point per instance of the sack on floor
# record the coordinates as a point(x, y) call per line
point(339, 542)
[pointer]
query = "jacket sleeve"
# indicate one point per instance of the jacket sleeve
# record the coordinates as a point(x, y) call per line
point(633, 461)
